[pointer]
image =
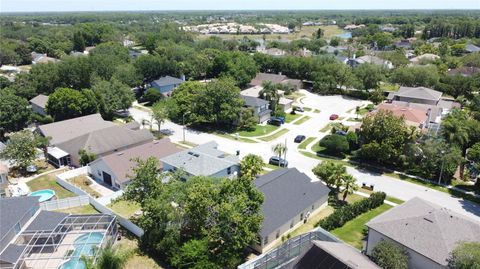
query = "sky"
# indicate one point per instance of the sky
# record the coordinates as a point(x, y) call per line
point(116, 5)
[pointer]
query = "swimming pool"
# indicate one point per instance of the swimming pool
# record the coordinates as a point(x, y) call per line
point(345, 35)
point(84, 246)
point(44, 195)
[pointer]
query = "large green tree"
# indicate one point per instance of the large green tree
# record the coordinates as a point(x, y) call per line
point(20, 149)
point(389, 255)
point(67, 103)
point(113, 96)
point(369, 75)
point(251, 166)
point(331, 173)
point(416, 76)
point(14, 112)
point(466, 255)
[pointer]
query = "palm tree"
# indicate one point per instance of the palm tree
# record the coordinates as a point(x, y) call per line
point(108, 258)
point(270, 93)
point(331, 174)
point(279, 149)
point(456, 131)
point(251, 165)
point(349, 185)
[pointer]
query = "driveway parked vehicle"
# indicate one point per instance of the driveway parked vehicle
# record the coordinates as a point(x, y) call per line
point(333, 117)
point(274, 121)
point(275, 160)
point(299, 109)
point(299, 138)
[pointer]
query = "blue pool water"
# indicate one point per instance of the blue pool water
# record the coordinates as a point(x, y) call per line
point(345, 35)
point(44, 195)
point(83, 247)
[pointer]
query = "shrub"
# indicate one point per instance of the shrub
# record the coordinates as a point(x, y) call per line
point(388, 255)
point(335, 144)
point(349, 212)
point(152, 95)
point(352, 140)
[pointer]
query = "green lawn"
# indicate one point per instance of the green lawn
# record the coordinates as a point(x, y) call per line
point(86, 209)
point(233, 137)
point(302, 120)
point(124, 208)
point(353, 231)
point(326, 128)
point(307, 109)
point(275, 135)
point(321, 158)
point(49, 182)
point(271, 166)
point(289, 117)
point(306, 142)
point(316, 111)
point(312, 220)
point(259, 130)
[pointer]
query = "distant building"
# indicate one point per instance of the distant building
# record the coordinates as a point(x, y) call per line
point(116, 169)
point(89, 49)
point(353, 27)
point(419, 95)
point(285, 103)
point(465, 71)
point(273, 52)
point(370, 59)
point(290, 198)
point(470, 48)
point(204, 160)
point(424, 58)
point(42, 58)
point(403, 44)
point(259, 106)
point(167, 84)
point(39, 103)
point(428, 232)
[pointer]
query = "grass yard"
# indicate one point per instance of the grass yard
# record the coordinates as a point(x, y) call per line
point(321, 158)
point(233, 137)
point(307, 109)
point(84, 183)
point(316, 111)
point(259, 130)
point(302, 120)
point(188, 144)
point(353, 231)
point(306, 142)
point(275, 135)
point(86, 209)
point(331, 31)
point(326, 128)
point(289, 117)
point(124, 208)
point(49, 182)
point(271, 166)
point(137, 259)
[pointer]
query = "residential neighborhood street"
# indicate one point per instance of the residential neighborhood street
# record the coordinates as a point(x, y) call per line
point(327, 105)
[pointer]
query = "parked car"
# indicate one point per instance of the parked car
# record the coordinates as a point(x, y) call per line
point(341, 133)
point(299, 109)
point(333, 117)
point(281, 119)
point(299, 138)
point(274, 121)
point(275, 160)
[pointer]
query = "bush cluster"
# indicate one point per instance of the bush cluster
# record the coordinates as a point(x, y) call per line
point(349, 212)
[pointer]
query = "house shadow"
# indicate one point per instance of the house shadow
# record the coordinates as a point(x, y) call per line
point(471, 207)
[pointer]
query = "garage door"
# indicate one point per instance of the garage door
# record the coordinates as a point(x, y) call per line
point(107, 178)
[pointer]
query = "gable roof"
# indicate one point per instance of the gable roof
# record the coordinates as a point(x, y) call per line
point(465, 71)
point(426, 57)
point(203, 160)
point(46, 221)
point(13, 210)
point(254, 101)
point(426, 228)
point(326, 254)
point(166, 81)
point(67, 129)
point(418, 93)
point(39, 100)
point(261, 77)
point(121, 163)
point(472, 48)
point(371, 59)
point(287, 193)
point(12, 253)
point(413, 116)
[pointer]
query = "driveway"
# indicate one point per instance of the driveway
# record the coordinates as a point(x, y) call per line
point(327, 105)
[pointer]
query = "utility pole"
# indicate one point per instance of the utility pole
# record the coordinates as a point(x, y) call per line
point(441, 169)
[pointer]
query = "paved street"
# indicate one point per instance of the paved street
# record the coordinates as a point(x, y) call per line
point(327, 105)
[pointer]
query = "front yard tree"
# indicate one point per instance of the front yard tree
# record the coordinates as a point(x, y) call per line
point(113, 96)
point(270, 93)
point(349, 184)
point(369, 75)
point(330, 173)
point(21, 149)
point(388, 255)
point(251, 165)
point(14, 112)
point(160, 113)
point(465, 256)
point(279, 149)
point(67, 103)
point(247, 121)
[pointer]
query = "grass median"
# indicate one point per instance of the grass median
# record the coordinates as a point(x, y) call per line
point(275, 135)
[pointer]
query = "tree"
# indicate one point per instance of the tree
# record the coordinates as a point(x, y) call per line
point(247, 121)
point(45, 77)
point(370, 75)
point(160, 113)
point(251, 165)
point(78, 41)
point(330, 173)
point(107, 258)
point(14, 112)
point(331, 77)
point(466, 255)
point(335, 144)
point(377, 96)
point(388, 255)
point(269, 92)
point(43, 142)
point(86, 157)
point(128, 74)
point(416, 76)
point(152, 95)
point(75, 72)
point(279, 149)
point(349, 184)
point(113, 96)
point(20, 149)
point(67, 103)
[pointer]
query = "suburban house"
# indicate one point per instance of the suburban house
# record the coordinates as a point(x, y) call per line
point(416, 117)
point(3, 179)
point(472, 48)
point(42, 58)
point(464, 71)
point(427, 231)
point(326, 254)
point(256, 87)
point(167, 84)
point(419, 95)
point(38, 104)
point(332, 50)
point(424, 58)
point(370, 59)
point(115, 169)
point(92, 134)
point(272, 51)
point(403, 44)
point(290, 198)
point(259, 106)
point(34, 238)
point(203, 160)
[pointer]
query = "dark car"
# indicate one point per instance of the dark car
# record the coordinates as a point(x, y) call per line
point(333, 117)
point(299, 138)
point(274, 121)
point(275, 160)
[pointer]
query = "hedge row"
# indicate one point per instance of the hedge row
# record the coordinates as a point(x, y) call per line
point(340, 216)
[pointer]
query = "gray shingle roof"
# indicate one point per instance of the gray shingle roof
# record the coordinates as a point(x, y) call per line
point(167, 80)
point(254, 101)
point(46, 221)
point(12, 253)
point(13, 210)
point(325, 254)
point(426, 228)
point(287, 193)
point(203, 160)
point(419, 93)
point(39, 100)
point(472, 48)
point(261, 77)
